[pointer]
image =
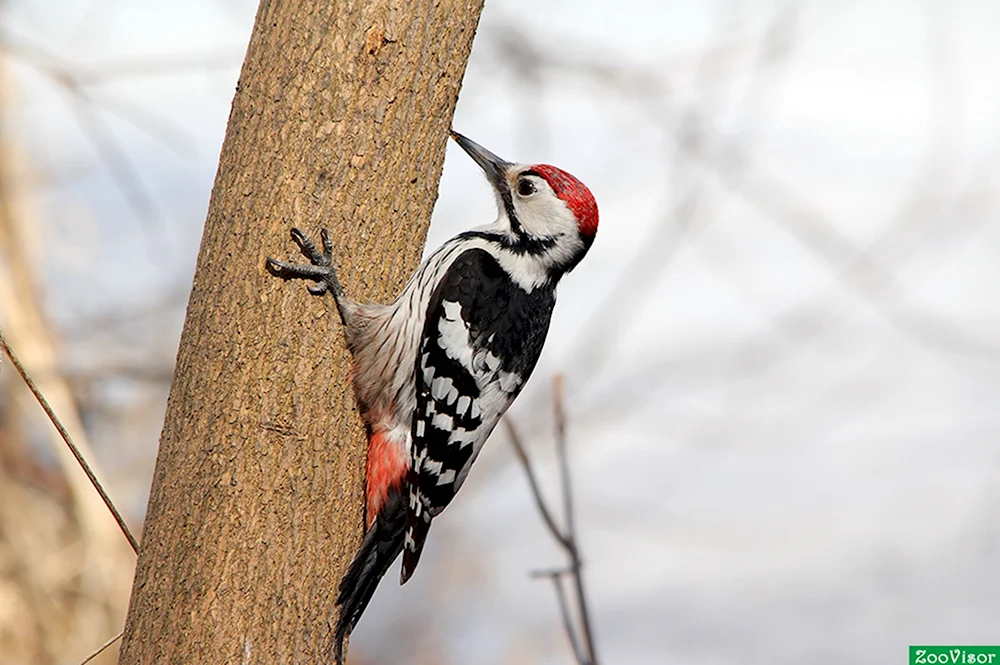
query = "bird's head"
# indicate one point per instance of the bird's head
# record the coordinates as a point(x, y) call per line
point(541, 207)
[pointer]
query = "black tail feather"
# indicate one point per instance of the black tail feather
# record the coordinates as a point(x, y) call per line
point(416, 534)
point(380, 547)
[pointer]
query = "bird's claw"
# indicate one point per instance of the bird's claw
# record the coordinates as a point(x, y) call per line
point(309, 250)
point(321, 269)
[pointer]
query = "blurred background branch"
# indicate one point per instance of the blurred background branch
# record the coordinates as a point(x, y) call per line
point(580, 631)
point(74, 449)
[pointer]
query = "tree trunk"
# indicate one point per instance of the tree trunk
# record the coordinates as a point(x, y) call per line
point(340, 119)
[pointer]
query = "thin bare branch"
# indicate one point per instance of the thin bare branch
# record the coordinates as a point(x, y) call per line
point(583, 649)
point(549, 572)
point(102, 648)
point(81, 460)
point(536, 492)
point(558, 385)
point(567, 618)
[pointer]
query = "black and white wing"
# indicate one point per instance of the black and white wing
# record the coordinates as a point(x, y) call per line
point(482, 337)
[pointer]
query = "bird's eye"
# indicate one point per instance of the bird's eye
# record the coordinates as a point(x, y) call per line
point(525, 187)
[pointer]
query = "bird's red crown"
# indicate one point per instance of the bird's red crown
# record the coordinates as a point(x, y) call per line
point(576, 195)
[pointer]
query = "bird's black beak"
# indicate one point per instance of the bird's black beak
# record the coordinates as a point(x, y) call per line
point(494, 167)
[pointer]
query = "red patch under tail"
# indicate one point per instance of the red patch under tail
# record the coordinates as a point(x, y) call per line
point(388, 465)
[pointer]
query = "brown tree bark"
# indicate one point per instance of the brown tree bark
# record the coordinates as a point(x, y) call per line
point(340, 119)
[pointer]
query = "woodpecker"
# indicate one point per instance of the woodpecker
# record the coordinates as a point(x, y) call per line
point(434, 371)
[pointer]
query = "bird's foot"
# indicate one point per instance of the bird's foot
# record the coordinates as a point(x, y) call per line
point(321, 269)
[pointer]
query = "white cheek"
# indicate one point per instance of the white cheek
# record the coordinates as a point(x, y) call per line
point(545, 217)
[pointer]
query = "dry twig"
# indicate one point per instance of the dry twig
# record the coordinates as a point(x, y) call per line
point(102, 648)
point(81, 460)
point(581, 637)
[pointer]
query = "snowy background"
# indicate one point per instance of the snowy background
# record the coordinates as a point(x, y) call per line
point(782, 355)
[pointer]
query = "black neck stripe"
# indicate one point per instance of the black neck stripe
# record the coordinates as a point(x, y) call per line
point(522, 244)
